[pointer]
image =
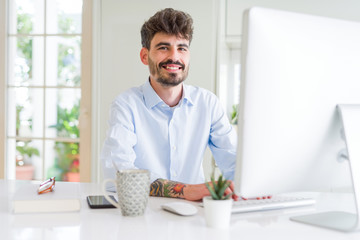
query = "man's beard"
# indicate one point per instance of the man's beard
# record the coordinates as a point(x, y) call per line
point(168, 79)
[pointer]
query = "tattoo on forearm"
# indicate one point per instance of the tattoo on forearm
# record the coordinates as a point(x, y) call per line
point(156, 188)
point(166, 188)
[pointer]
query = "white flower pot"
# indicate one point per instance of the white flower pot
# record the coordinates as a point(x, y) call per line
point(217, 212)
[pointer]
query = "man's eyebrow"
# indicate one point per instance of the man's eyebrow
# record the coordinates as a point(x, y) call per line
point(183, 45)
point(162, 44)
point(168, 44)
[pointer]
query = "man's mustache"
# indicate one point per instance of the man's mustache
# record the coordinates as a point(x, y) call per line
point(171, 62)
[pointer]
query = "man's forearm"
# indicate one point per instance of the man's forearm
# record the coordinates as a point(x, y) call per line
point(167, 188)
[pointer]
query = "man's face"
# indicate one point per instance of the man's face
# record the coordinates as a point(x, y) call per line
point(168, 59)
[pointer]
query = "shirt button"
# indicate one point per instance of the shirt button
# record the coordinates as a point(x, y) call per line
point(174, 147)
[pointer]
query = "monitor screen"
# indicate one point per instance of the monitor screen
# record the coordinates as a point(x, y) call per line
point(295, 70)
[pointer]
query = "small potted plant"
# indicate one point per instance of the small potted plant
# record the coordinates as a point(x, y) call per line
point(24, 169)
point(73, 175)
point(218, 206)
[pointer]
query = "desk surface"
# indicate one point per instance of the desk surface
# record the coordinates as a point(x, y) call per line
point(157, 224)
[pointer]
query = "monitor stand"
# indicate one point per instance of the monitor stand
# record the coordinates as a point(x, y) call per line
point(343, 221)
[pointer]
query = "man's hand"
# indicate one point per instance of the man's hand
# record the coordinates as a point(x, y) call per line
point(192, 192)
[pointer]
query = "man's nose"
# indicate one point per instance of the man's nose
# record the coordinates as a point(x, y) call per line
point(173, 55)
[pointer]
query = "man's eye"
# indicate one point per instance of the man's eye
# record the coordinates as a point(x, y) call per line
point(163, 48)
point(183, 49)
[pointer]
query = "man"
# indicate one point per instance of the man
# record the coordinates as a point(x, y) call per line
point(164, 125)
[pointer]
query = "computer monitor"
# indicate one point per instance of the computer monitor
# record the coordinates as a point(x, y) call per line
point(295, 71)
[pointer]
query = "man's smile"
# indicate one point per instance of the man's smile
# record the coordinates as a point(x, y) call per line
point(171, 66)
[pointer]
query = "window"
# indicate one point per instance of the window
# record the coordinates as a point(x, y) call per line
point(229, 82)
point(48, 85)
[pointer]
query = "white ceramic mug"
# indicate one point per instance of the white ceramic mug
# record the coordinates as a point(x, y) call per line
point(133, 189)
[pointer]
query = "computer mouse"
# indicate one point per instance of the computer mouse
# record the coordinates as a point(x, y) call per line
point(180, 208)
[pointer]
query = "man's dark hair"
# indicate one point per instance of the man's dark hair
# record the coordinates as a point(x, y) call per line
point(167, 21)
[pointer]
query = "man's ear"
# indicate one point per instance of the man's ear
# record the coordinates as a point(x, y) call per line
point(144, 53)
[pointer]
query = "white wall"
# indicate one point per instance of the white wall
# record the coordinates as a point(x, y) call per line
point(117, 60)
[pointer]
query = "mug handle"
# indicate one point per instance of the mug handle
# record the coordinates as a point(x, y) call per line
point(106, 195)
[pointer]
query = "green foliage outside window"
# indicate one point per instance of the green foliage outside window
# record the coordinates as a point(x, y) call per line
point(67, 154)
point(24, 45)
point(24, 22)
point(67, 121)
point(26, 152)
point(23, 148)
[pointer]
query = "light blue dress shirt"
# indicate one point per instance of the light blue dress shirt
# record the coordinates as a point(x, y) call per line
point(170, 142)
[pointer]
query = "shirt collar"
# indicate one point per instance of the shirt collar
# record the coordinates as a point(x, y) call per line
point(150, 96)
point(152, 99)
point(186, 95)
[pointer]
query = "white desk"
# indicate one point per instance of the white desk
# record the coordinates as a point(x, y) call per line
point(157, 224)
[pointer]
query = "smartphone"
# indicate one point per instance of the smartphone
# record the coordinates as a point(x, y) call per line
point(100, 201)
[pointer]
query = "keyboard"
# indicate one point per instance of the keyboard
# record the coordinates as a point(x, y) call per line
point(274, 203)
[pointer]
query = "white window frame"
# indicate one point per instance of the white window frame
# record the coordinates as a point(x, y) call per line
point(85, 124)
point(3, 17)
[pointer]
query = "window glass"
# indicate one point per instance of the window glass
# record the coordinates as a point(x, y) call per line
point(26, 16)
point(62, 118)
point(63, 61)
point(25, 112)
point(64, 164)
point(28, 159)
point(26, 61)
point(63, 16)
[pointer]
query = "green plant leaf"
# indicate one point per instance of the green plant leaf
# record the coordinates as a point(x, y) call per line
point(223, 188)
point(220, 182)
point(27, 150)
point(215, 186)
point(218, 188)
point(212, 192)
